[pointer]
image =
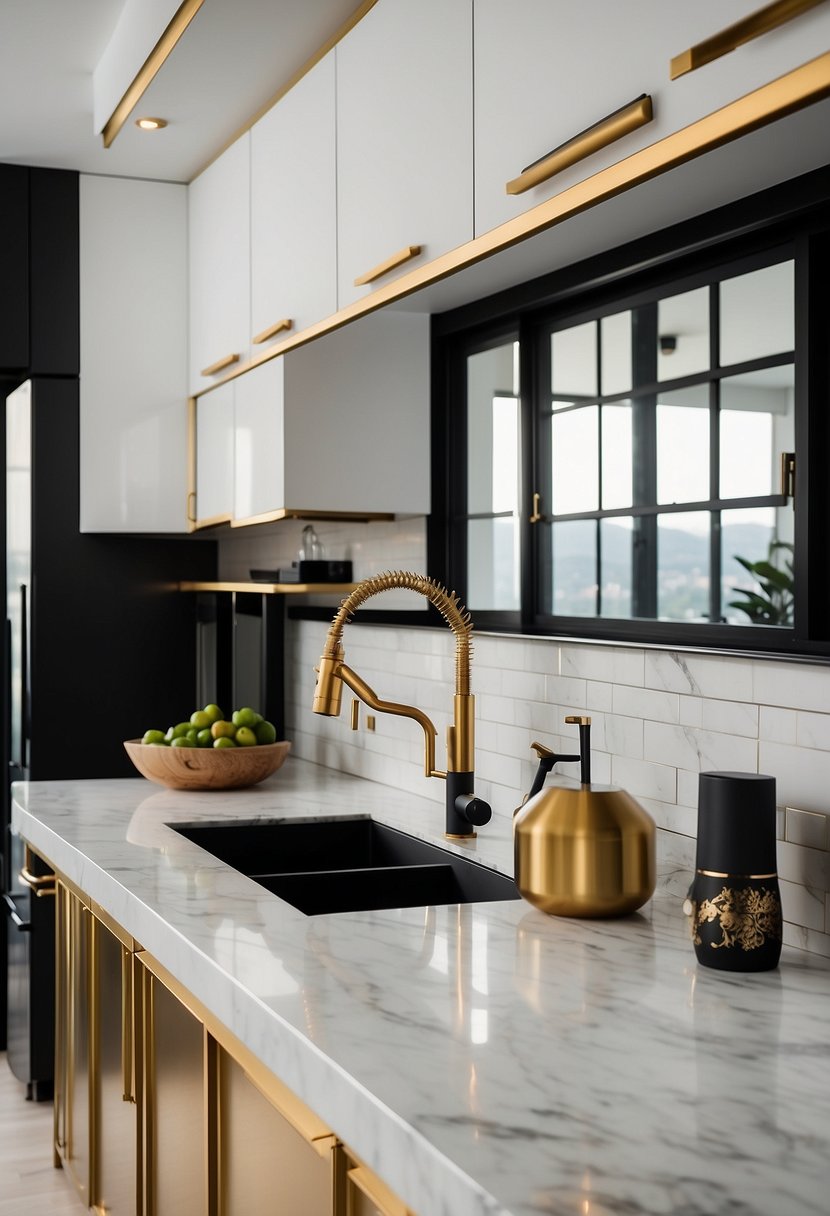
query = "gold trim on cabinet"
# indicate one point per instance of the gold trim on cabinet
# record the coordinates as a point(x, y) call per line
point(303, 1120)
point(220, 365)
point(212, 1109)
point(270, 588)
point(377, 1192)
point(391, 263)
point(127, 1027)
point(177, 25)
point(349, 24)
point(802, 87)
point(213, 521)
point(93, 1052)
point(273, 330)
point(270, 517)
point(753, 26)
point(599, 135)
point(190, 501)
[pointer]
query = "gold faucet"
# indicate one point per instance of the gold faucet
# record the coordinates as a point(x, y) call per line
point(464, 810)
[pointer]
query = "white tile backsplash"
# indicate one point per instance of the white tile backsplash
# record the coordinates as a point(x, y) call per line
point(661, 717)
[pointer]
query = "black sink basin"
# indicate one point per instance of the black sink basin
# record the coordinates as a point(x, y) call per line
point(348, 865)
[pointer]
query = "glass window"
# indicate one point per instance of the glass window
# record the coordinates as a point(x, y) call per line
point(574, 555)
point(493, 564)
point(615, 543)
point(575, 473)
point(683, 566)
point(757, 314)
point(615, 335)
point(617, 459)
point(683, 342)
point(573, 360)
point(757, 424)
point(683, 445)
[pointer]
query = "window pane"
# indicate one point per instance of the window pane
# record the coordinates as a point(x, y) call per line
point(683, 566)
point(615, 564)
point(574, 552)
point(757, 596)
point(574, 458)
point(756, 425)
point(573, 359)
point(492, 430)
point(683, 334)
point(493, 564)
point(616, 456)
point(615, 333)
point(683, 445)
point(756, 314)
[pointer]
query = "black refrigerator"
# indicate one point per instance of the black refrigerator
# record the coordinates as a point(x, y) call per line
point(99, 645)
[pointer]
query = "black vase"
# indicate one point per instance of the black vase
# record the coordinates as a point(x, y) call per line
point(736, 902)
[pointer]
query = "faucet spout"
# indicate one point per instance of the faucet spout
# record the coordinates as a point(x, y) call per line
point(463, 808)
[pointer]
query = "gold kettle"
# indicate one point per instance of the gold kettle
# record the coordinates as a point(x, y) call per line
point(583, 850)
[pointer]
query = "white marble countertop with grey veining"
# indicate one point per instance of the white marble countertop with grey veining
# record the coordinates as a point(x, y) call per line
point(482, 1058)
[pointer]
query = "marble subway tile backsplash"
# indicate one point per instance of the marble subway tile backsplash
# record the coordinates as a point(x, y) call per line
point(660, 718)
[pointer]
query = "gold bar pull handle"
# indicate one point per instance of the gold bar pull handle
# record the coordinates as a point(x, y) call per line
point(38, 884)
point(190, 509)
point(355, 714)
point(760, 22)
point(788, 474)
point(396, 259)
point(537, 502)
point(127, 1026)
point(271, 332)
point(621, 122)
point(219, 365)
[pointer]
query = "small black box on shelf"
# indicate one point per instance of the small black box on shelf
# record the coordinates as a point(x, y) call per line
point(307, 572)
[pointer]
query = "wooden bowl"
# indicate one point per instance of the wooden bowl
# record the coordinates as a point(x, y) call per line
point(207, 768)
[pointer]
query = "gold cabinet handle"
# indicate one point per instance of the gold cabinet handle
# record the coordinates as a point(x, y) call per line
point(537, 502)
point(191, 503)
point(127, 1027)
point(277, 328)
point(396, 259)
point(760, 22)
point(376, 1192)
point(39, 884)
point(220, 365)
point(628, 118)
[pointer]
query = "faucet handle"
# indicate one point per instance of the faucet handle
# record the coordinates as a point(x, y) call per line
point(474, 810)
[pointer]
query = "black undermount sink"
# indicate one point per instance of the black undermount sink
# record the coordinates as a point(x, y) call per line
point(348, 865)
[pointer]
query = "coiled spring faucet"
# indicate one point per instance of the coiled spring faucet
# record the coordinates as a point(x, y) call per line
point(464, 810)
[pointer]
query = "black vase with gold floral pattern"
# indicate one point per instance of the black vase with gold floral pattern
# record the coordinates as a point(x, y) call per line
point(735, 898)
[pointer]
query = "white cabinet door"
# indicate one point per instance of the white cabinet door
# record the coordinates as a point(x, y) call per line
point(293, 207)
point(133, 298)
point(259, 460)
point(404, 126)
point(546, 70)
point(357, 418)
point(220, 253)
point(215, 455)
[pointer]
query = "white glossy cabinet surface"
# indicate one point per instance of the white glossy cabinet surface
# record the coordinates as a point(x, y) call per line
point(215, 455)
point(133, 299)
point(293, 206)
point(339, 425)
point(220, 262)
point(259, 445)
point(578, 63)
point(404, 136)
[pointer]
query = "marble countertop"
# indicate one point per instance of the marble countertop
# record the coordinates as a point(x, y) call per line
point(481, 1058)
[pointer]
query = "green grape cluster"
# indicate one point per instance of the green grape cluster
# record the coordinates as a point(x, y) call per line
point(208, 727)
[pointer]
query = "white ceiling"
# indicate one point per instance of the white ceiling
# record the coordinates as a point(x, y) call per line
point(233, 57)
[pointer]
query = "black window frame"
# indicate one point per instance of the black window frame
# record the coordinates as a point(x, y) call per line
point(750, 233)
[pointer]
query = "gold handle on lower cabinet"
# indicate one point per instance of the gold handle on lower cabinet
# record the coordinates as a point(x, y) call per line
point(396, 259)
point(271, 332)
point(37, 883)
point(760, 22)
point(376, 1192)
point(127, 1026)
point(220, 365)
point(621, 122)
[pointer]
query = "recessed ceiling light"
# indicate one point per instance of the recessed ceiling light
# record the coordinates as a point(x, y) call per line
point(151, 124)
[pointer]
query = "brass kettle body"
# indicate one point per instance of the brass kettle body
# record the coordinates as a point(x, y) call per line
point(584, 850)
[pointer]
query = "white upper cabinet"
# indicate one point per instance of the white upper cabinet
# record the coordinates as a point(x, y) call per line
point(339, 425)
point(404, 138)
point(220, 260)
point(133, 298)
point(293, 208)
point(545, 71)
point(215, 456)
